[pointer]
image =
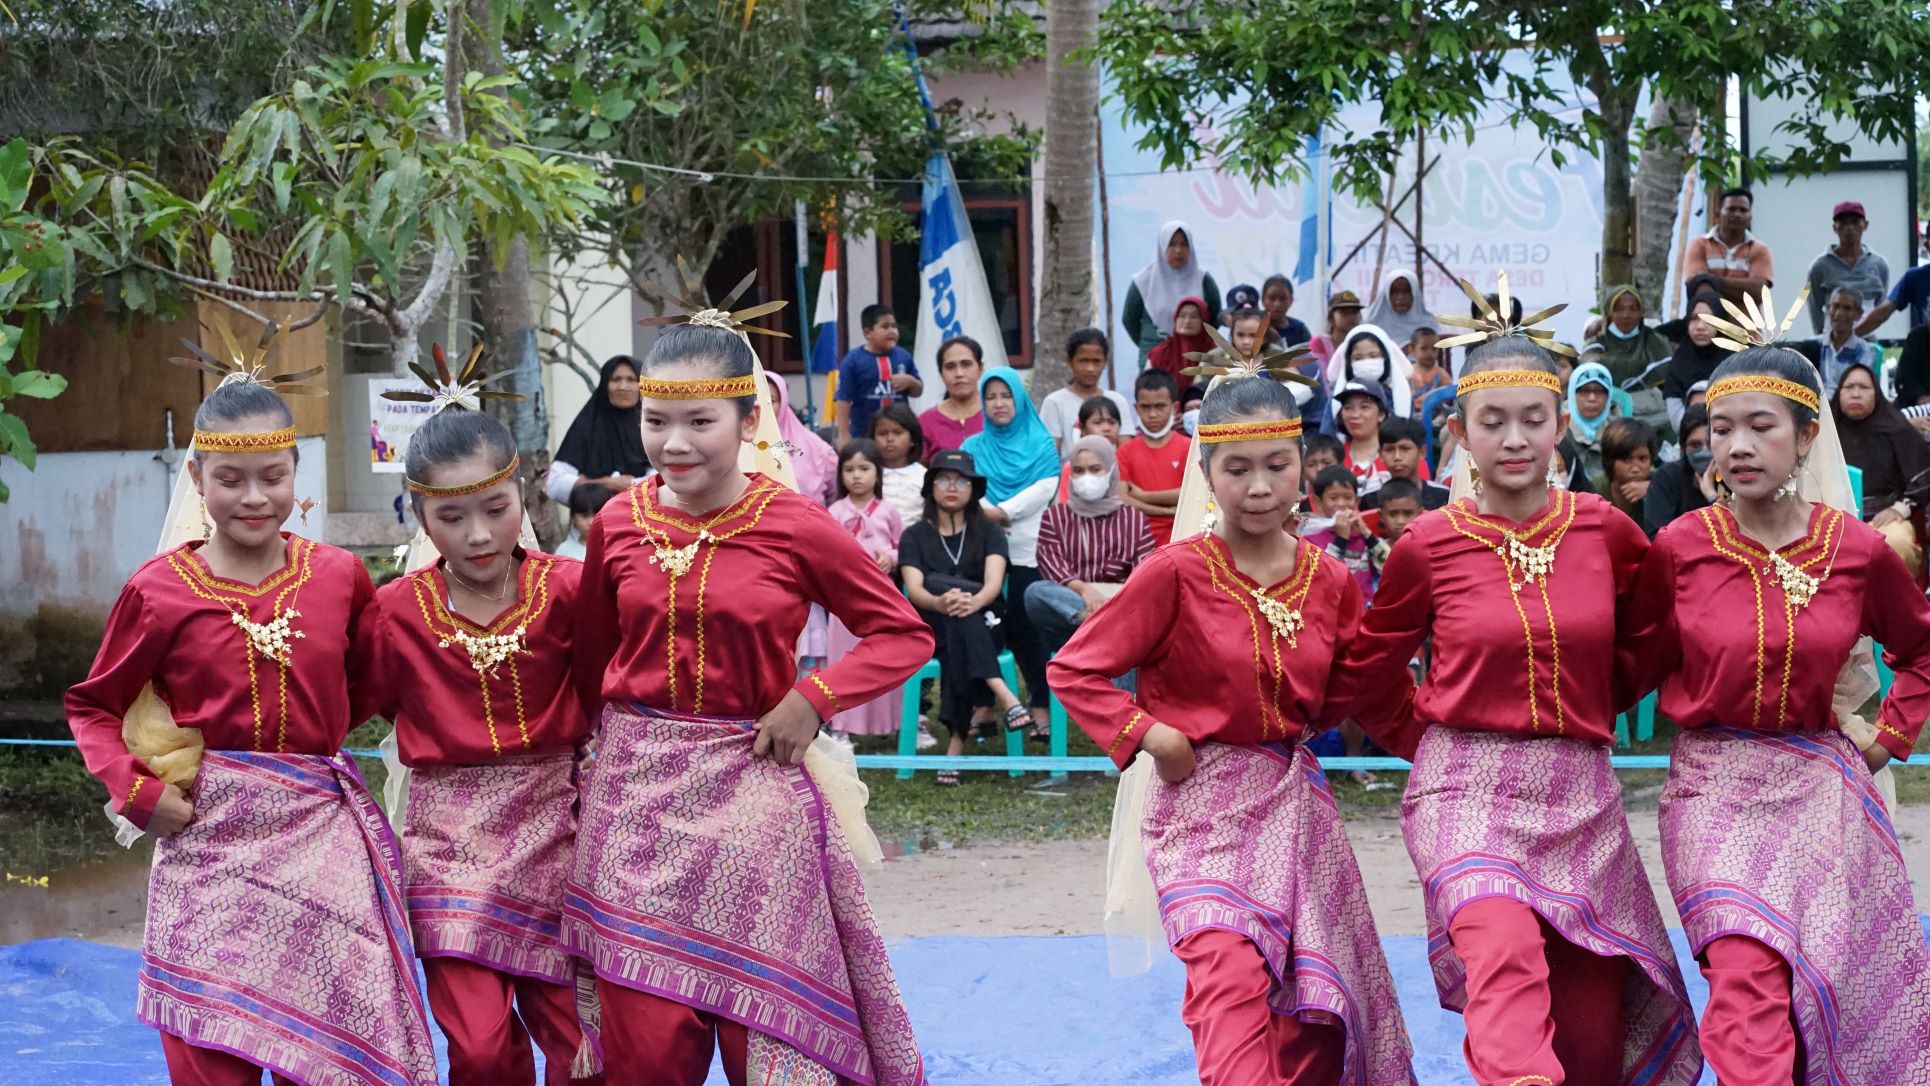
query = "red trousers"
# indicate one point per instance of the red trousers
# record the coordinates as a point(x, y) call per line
point(1541, 1011)
point(489, 1016)
point(1748, 1034)
point(1237, 1039)
point(190, 1065)
point(652, 1041)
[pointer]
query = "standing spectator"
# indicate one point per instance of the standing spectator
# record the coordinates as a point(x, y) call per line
point(1363, 407)
point(604, 445)
point(1839, 347)
point(1740, 263)
point(813, 463)
point(1318, 452)
point(1174, 274)
point(875, 374)
point(584, 503)
point(1695, 358)
point(1153, 465)
point(901, 452)
point(1189, 336)
point(1401, 442)
point(1276, 297)
point(1369, 355)
point(961, 362)
point(1913, 370)
point(1021, 466)
point(1087, 546)
point(1911, 294)
point(1190, 402)
point(1240, 297)
point(1343, 316)
point(875, 523)
point(1086, 353)
point(1879, 440)
point(1628, 347)
point(1629, 448)
point(1685, 484)
point(1401, 311)
point(1429, 366)
point(953, 561)
point(1098, 417)
point(1847, 264)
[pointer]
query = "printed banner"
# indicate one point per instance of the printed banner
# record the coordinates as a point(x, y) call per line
point(391, 422)
point(953, 298)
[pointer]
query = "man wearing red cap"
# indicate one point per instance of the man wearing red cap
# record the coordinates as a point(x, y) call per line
point(1847, 264)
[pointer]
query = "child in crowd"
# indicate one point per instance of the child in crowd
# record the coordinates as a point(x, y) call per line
point(953, 561)
point(1318, 453)
point(1400, 503)
point(1086, 354)
point(1248, 326)
point(878, 373)
point(875, 522)
point(1430, 367)
point(1154, 464)
point(1189, 409)
point(1629, 448)
point(584, 502)
point(1363, 407)
point(1098, 417)
point(901, 453)
point(1276, 297)
point(1401, 443)
point(1338, 528)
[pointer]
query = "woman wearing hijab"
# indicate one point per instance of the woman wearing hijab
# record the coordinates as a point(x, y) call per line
point(604, 445)
point(1628, 346)
point(1157, 290)
point(813, 460)
point(1879, 440)
point(1087, 547)
point(1020, 462)
point(1695, 358)
point(1369, 355)
point(1189, 336)
point(1592, 398)
point(1401, 311)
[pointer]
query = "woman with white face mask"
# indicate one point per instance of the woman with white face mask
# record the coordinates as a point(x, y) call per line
point(1369, 355)
point(1087, 546)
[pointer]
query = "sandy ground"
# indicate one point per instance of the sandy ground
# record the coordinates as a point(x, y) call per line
point(1057, 888)
point(1052, 888)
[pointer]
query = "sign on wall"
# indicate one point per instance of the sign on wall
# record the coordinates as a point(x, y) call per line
point(392, 421)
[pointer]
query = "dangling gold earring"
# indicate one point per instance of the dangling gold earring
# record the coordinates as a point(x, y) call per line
point(1555, 480)
point(1723, 493)
point(1474, 475)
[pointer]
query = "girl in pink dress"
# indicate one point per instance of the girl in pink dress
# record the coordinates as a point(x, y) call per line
point(877, 526)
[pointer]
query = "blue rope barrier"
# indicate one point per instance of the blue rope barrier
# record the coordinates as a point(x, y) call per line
point(1044, 764)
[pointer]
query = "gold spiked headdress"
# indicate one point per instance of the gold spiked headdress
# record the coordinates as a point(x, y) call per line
point(462, 390)
point(1496, 322)
point(248, 366)
point(1753, 325)
point(1228, 362)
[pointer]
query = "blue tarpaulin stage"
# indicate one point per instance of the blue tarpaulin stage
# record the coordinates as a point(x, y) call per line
point(1017, 1011)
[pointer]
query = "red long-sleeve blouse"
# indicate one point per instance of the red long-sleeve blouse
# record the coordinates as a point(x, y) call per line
point(1724, 629)
point(1211, 662)
point(701, 615)
point(175, 626)
point(1512, 653)
point(422, 671)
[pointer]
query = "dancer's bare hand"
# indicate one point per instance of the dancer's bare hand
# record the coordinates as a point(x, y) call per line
point(172, 813)
point(1875, 757)
point(784, 732)
point(1172, 752)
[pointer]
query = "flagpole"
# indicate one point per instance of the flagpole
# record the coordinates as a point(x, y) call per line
point(918, 74)
point(804, 311)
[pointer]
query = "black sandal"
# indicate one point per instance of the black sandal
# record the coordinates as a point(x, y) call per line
point(1018, 716)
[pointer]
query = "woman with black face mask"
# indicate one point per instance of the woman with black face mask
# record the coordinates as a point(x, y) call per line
point(1684, 485)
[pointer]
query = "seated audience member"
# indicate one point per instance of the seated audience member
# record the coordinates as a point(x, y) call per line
point(1592, 401)
point(1838, 347)
point(1628, 346)
point(1894, 460)
point(1401, 441)
point(1098, 417)
point(946, 424)
point(1686, 483)
point(1088, 546)
point(901, 450)
point(1153, 464)
point(1695, 358)
point(1086, 354)
point(1629, 448)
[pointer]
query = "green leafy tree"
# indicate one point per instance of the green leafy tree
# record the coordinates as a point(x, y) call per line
point(36, 277)
point(1245, 83)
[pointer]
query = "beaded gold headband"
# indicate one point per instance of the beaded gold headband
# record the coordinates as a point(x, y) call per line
point(1762, 382)
point(1752, 326)
point(467, 489)
point(1496, 322)
point(697, 388)
point(217, 441)
point(1219, 433)
point(1475, 382)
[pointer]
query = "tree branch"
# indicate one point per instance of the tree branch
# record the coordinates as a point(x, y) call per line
point(441, 267)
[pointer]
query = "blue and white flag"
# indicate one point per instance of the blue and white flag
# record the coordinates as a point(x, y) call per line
point(953, 298)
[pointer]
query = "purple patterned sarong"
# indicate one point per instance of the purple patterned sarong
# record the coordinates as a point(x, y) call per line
point(1781, 837)
point(275, 926)
point(722, 881)
point(1252, 843)
point(1540, 821)
point(487, 850)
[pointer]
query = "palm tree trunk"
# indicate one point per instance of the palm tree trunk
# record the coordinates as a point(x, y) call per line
point(1617, 107)
point(1071, 163)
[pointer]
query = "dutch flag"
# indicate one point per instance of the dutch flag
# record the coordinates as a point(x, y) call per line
point(824, 353)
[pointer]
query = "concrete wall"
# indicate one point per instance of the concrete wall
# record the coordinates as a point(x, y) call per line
point(77, 527)
point(600, 304)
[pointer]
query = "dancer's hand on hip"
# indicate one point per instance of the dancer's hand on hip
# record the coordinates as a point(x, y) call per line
point(1172, 752)
point(785, 732)
point(1875, 757)
point(172, 813)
